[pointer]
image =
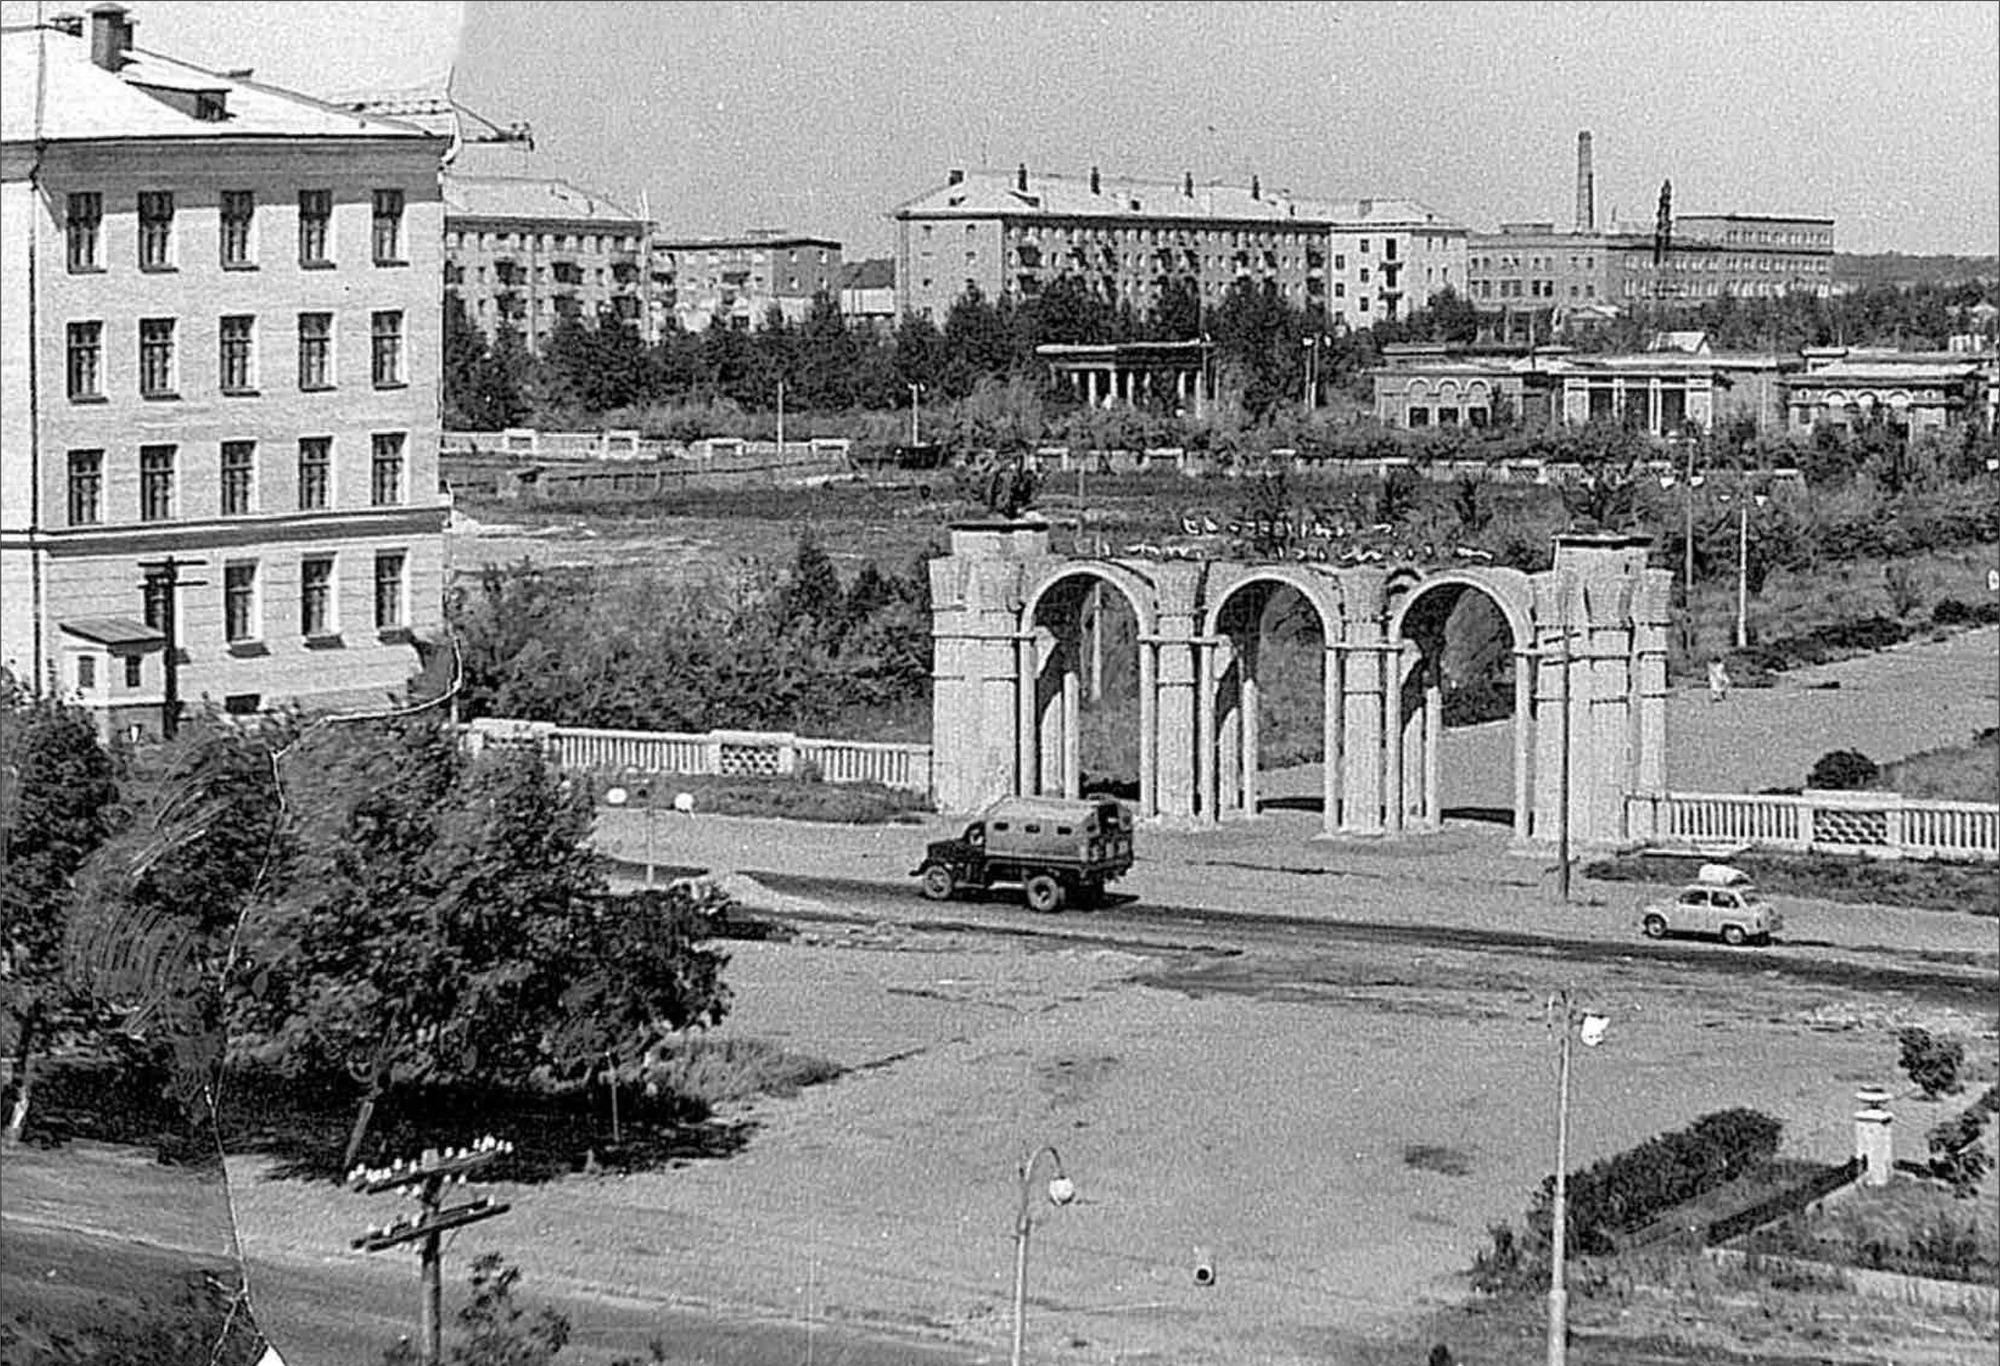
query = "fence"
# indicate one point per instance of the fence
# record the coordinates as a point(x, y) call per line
point(1874, 824)
point(717, 753)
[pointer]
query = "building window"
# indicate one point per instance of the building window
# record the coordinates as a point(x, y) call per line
point(385, 482)
point(86, 360)
point(389, 590)
point(387, 338)
point(239, 215)
point(156, 357)
point(135, 671)
point(388, 235)
point(239, 603)
point(156, 230)
point(316, 596)
point(156, 483)
point(238, 370)
point(315, 473)
point(86, 673)
point(315, 224)
point(86, 488)
point(239, 478)
point(85, 228)
point(315, 350)
point(1420, 417)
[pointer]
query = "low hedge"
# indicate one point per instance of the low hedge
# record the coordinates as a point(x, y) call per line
point(792, 798)
point(1826, 877)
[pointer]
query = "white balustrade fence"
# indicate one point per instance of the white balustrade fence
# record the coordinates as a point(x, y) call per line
point(1875, 824)
point(717, 753)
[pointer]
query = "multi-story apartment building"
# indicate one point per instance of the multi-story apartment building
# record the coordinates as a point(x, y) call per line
point(1353, 264)
point(741, 279)
point(526, 252)
point(219, 309)
point(1533, 267)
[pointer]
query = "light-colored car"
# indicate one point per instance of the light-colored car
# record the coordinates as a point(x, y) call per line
point(1720, 901)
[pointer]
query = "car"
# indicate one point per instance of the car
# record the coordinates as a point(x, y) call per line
point(1055, 849)
point(1722, 901)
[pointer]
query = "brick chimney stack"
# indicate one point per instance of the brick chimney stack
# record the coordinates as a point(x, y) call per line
point(1586, 186)
point(110, 35)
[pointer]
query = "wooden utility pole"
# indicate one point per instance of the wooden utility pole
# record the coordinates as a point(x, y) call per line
point(429, 1175)
point(163, 577)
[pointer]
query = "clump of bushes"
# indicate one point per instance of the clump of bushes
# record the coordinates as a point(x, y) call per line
point(1627, 1191)
point(1931, 1062)
point(1952, 612)
point(1828, 877)
point(1843, 770)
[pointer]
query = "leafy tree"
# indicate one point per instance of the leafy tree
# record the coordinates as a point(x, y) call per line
point(58, 803)
point(812, 592)
point(1177, 312)
point(979, 342)
point(828, 356)
point(438, 918)
point(1931, 1062)
point(1842, 770)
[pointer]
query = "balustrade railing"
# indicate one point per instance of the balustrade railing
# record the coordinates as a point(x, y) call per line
point(1875, 824)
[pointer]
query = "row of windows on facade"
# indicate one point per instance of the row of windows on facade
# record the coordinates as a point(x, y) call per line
point(1210, 289)
point(238, 238)
point(562, 273)
point(540, 241)
point(236, 359)
point(1236, 237)
point(1030, 256)
point(238, 483)
point(243, 606)
point(1537, 289)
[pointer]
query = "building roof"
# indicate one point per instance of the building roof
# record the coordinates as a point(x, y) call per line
point(750, 241)
point(494, 196)
point(877, 273)
point(998, 194)
point(113, 631)
point(51, 91)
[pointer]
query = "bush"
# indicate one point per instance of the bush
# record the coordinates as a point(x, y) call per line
point(1843, 770)
point(1958, 1153)
point(1931, 1063)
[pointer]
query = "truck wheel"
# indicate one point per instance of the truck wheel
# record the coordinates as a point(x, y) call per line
point(1656, 927)
point(1045, 894)
point(938, 882)
point(1732, 935)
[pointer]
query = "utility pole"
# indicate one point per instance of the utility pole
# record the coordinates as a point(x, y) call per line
point(429, 1176)
point(781, 420)
point(1562, 809)
point(1687, 554)
point(1558, 1327)
point(162, 582)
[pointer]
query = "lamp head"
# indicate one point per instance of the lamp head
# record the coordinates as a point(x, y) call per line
point(1062, 1190)
point(1592, 1032)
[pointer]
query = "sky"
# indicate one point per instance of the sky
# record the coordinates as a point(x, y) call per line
point(821, 116)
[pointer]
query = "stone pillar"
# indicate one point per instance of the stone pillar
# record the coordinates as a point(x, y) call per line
point(1394, 724)
point(976, 666)
point(1333, 730)
point(1204, 732)
point(1361, 750)
point(1651, 618)
point(1874, 1141)
point(1176, 724)
point(1090, 386)
point(1433, 732)
point(1149, 728)
point(1246, 705)
point(1524, 724)
point(1027, 738)
point(1072, 728)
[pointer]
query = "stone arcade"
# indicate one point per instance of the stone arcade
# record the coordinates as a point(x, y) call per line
point(1012, 651)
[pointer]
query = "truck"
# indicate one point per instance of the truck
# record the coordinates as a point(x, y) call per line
point(1720, 901)
point(1057, 850)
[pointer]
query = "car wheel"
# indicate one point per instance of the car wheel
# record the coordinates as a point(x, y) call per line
point(1732, 935)
point(938, 882)
point(1656, 927)
point(1045, 894)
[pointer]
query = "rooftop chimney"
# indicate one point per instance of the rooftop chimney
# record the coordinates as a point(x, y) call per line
point(1094, 185)
point(1021, 178)
point(1187, 185)
point(110, 35)
point(72, 24)
point(1256, 188)
point(954, 176)
point(1586, 186)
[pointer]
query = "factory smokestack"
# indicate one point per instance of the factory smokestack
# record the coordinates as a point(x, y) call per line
point(1586, 186)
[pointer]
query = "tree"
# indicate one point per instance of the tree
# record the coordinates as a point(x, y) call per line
point(58, 803)
point(812, 594)
point(446, 908)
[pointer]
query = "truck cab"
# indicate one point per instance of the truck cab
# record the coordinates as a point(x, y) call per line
point(1056, 850)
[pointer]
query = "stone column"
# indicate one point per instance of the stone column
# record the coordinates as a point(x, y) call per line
point(1072, 728)
point(1393, 726)
point(1204, 734)
point(976, 666)
point(1090, 386)
point(1333, 730)
point(1650, 626)
point(1524, 721)
point(1874, 1139)
point(1246, 703)
point(1433, 732)
point(1149, 728)
point(1176, 724)
point(1361, 752)
point(1027, 739)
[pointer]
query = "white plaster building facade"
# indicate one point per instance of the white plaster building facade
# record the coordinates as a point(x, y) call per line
point(221, 318)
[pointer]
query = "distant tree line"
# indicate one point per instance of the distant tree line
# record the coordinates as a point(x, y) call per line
point(586, 370)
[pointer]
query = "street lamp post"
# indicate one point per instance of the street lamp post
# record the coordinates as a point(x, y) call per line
point(1743, 567)
point(1590, 1028)
point(915, 389)
point(1060, 1191)
point(1562, 777)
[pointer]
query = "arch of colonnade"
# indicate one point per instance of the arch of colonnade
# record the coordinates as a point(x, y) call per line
point(1016, 649)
